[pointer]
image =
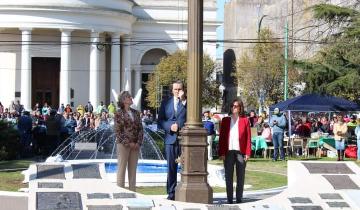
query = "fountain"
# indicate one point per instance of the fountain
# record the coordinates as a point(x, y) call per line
point(99, 146)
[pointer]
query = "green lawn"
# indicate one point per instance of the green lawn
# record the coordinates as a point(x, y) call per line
point(12, 180)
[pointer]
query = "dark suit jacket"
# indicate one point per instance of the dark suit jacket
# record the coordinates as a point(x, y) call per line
point(167, 117)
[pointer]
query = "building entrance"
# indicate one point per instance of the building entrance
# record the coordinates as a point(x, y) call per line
point(45, 81)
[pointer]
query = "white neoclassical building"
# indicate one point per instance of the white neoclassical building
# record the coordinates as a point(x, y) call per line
point(74, 51)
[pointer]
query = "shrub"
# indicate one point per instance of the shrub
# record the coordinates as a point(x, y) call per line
point(9, 141)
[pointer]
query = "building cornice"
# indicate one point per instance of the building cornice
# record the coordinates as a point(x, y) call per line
point(81, 9)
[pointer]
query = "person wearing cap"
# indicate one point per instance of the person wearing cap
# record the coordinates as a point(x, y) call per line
point(278, 124)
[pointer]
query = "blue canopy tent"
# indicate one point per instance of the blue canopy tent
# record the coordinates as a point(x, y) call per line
point(315, 103)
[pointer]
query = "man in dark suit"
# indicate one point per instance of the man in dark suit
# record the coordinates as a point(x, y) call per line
point(172, 117)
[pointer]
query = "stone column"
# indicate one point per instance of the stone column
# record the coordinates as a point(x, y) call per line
point(94, 85)
point(193, 186)
point(127, 64)
point(26, 68)
point(138, 79)
point(115, 72)
point(65, 66)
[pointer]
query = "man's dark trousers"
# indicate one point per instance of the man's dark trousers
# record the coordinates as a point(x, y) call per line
point(172, 152)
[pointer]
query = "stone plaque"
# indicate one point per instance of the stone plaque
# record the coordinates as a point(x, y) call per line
point(341, 182)
point(338, 204)
point(139, 208)
point(330, 196)
point(300, 200)
point(197, 166)
point(86, 171)
point(105, 207)
point(328, 168)
point(223, 207)
point(307, 208)
point(58, 201)
point(50, 185)
point(124, 195)
point(50, 172)
point(98, 195)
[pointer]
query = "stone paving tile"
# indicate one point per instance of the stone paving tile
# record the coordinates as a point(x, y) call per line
point(50, 172)
point(300, 200)
point(328, 168)
point(338, 204)
point(105, 207)
point(222, 207)
point(124, 195)
point(57, 185)
point(58, 201)
point(307, 208)
point(86, 171)
point(341, 182)
point(98, 195)
point(330, 196)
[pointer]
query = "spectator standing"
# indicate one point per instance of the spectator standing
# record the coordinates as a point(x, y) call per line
point(25, 127)
point(210, 128)
point(12, 108)
point(252, 118)
point(357, 133)
point(89, 107)
point(80, 109)
point(37, 108)
point(45, 111)
point(112, 109)
point(100, 108)
point(53, 126)
point(70, 124)
point(129, 137)
point(340, 132)
point(235, 148)
point(68, 108)
point(61, 109)
point(278, 124)
point(1, 109)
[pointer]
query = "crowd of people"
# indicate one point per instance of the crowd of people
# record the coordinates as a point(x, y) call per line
point(43, 129)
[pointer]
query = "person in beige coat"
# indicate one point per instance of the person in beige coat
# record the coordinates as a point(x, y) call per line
point(129, 137)
point(340, 133)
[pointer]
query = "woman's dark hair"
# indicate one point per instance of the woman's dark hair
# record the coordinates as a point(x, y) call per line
point(121, 98)
point(242, 110)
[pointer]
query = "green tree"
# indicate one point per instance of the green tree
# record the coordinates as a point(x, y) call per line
point(335, 69)
point(174, 67)
point(260, 73)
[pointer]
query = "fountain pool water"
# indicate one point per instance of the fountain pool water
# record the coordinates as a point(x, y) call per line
point(99, 146)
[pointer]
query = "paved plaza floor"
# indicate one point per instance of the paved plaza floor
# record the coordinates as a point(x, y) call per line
point(311, 186)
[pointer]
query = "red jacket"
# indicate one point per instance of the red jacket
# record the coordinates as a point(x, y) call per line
point(244, 136)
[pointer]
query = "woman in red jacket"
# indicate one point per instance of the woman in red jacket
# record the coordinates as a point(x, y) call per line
point(235, 148)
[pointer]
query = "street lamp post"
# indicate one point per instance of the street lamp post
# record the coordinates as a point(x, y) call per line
point(193, 186)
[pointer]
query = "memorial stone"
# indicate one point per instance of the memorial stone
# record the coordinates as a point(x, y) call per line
point(50, 172)
point(58, 201)
point(86, 171)
point(341, 182)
